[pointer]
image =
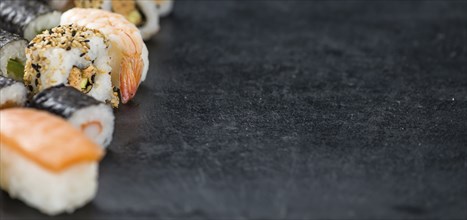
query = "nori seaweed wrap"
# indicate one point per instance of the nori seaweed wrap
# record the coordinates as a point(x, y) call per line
point(27, 18)
point(93, 117)
point(12, 56)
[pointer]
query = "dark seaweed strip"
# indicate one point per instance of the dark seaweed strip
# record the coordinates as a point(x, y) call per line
point(7, 37)
point(16, 15)
point(62, 100)
point(6, 82)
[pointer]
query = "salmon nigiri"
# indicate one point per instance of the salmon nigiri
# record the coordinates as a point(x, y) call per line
point(46, 162)
point(129, 55)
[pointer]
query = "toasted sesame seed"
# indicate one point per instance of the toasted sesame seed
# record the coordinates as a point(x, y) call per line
point(66, 37)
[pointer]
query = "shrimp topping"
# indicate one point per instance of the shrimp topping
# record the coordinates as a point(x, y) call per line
point(127, 46)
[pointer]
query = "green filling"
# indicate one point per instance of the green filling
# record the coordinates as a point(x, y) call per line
point(83, 83)
point(15, 69)
point(40, 31)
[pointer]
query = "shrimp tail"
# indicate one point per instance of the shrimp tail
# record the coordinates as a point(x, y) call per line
point(130, 76)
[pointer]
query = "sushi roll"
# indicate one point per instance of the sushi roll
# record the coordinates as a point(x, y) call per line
point(71, 55)
point(164, 7)
point(12, 57)
point(27, 18)
point(60, 5)
point(12, 93)
point(139, 12)
point(46, 162)
point(129, 55)
point(94, 118)
point(149, 24)
point(99, 4)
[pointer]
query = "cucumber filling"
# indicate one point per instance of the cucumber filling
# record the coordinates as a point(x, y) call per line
point(40, 31)
point(15, 69)
point(135, 17)
point(82, 79)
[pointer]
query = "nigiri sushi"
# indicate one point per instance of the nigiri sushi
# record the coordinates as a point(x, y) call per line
point(12, 93)
point(27, 18)
point(46, 162)
point(72, 55)
point(129, 55)
point(12, 55)
point(92, 117)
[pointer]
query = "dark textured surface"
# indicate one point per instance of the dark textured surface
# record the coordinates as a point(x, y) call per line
point(293, 109)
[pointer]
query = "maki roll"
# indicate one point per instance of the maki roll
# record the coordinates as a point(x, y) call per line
point(94, 118)
point(164, 7)
point(12, 93)
point(46, 162)
point(12, 57)
point(99, 4)
point(129, 55)
point(141, 13)
point(61, 5)
point(71, 55)
point(149, 23)
point(27, 18)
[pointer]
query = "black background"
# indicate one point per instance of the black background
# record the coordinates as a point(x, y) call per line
point(293, 109)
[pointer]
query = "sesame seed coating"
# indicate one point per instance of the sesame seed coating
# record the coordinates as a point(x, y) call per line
point(71, 39)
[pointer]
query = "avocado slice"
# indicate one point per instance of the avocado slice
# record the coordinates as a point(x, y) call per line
point(15, 69)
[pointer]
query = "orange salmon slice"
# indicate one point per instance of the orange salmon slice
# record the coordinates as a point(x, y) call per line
point(48, 140)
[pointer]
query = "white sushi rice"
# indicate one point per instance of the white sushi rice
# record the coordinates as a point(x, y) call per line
point(144, 56)
point(151, 26)
point(101, 114)
point(51, 193)
point(12, 50)
point(15, 93)
point(62, 61)
point(107, 5)
point(41, 23)
point(164, 7)
point(115, 49)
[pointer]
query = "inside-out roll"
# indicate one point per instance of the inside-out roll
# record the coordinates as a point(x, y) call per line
point(27, 18)
point(94, 118)
point(12, 56)
point(129, 54)
point(71, 55)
